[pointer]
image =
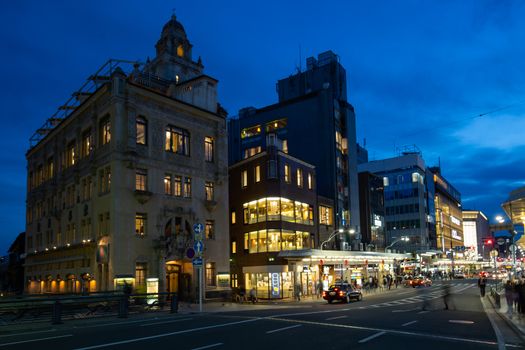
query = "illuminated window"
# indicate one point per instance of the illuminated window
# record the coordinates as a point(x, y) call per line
point(209, 189)
point(87, 143)
point(299, 177)
point(325, 215)
point(274, 240)
point(208, 149)
point(251, 131)
point(141, 180)
point(234, 247)
point(209, 229)
point(310, 184)
point(258, 173)
point(140, 224)
point(250, 152)
point(285, 146)
point(105, 130)
point(244, 178)
point(274, 209)
point(140, 274)
point(177, 140)
point(233, 218)
point(141, 126)
point(261, 210)
point(180, 51)
point(104, 180)
point(70, 157)
point(167, 184)
point(210, 274)
point(276, 124)
point(289, 241)
point(287, 177)
point(177, 181)
point(287, 210)
point(187, 187)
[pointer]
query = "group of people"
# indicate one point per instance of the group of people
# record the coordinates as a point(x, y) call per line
point(515, 296)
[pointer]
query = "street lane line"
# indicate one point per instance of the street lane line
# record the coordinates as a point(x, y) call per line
point(390, 331)
point(24, 333)
point(284, 328)
point(406, 310)
point(178, 320)
point(34, 340)
point(167, 334)
point(208, 346)
point(335, 318)
point(364, 340)
point(461, 321)
point(408, 323)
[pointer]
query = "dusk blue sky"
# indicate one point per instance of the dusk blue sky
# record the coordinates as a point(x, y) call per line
point(418, 72)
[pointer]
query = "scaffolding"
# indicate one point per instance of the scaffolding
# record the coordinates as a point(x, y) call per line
point(92, 84)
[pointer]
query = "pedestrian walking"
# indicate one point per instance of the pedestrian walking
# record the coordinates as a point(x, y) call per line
point(319, 289)
point(482, 283)
point(253, 295)
point(446, 296)
point(297, 292)
point(509, 287)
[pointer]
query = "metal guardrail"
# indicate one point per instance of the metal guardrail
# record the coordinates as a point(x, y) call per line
point(57, 308)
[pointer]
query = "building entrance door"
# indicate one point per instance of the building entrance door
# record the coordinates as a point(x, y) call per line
point(172, 277)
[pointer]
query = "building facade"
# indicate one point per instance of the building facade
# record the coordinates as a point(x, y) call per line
point(406, 200)
point(475, 229)
point(115, 187)
point(449, 217)
point(273, 208)
point(317, 125)
point(372, 210)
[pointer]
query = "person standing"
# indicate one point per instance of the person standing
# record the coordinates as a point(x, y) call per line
point(509, 296)
point(253, 295)
point(482, 283)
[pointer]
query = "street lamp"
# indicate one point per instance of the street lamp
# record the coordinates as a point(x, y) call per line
point(332, 235)
point(402, 238)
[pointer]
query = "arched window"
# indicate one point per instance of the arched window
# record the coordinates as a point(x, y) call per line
point(180, 51)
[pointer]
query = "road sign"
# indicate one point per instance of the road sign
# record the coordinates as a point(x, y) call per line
point(198, 228)
point(197, 261)
point(198, 246)
point(500, 241)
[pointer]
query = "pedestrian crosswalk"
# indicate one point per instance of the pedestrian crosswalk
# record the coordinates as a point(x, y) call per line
point(455, 288)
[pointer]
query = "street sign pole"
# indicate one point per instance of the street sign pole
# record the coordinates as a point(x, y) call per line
point(201, 286)
point(198, 261)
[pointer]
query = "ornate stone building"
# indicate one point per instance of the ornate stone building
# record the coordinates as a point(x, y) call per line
point(116, 184)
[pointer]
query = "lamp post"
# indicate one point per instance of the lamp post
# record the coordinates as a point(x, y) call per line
point(332, 235)
point(403, 238)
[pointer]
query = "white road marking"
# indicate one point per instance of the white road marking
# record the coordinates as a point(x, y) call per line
point(335, 318)
point(24, 333)
point(461, 321)
point(208, 346)
point(364, 340)
point(283, 329)
point(406, 310)
point(155, 323)
point(34, 340)
point(408, 323)
point(166, 334)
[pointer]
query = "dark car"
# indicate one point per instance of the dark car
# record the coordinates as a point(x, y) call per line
point(343, 292)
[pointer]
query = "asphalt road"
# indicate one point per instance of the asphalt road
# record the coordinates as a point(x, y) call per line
point(393, 320)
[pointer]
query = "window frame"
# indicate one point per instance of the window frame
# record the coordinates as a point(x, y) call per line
point(141, 121)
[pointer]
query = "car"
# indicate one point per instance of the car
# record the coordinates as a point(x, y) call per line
point(342, 292)
point(459, 275)
point(420, 281)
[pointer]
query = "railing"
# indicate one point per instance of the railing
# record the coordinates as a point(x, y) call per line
point(56, 309)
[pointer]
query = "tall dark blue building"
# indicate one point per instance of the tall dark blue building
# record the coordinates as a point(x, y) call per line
point(316, 124)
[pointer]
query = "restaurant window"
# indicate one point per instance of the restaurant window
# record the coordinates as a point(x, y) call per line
point(287, 210)
point(208, 148)
point(105, 130)
point(177, 182)
point(167, 184)
point(177, 140)
point(209, 189)
point(141, 180)
point(209, 229)
point(289, 241)
point(274, 240)
point(140, 224)
point(210, 274)
point(244, 178)
point(299, 177)
point(142, 130)
point(187, 187)
point(257, 173)
point(325, 215)
point(141, 270)
point(287, 177)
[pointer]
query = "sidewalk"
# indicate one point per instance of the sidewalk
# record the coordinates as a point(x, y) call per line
point(515, 320)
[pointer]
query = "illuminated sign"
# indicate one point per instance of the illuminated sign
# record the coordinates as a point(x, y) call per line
point(455, 234)
point(455, 220)
point(276, 285)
